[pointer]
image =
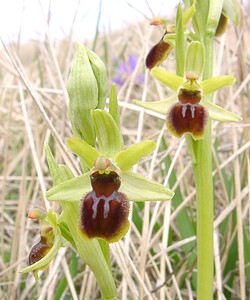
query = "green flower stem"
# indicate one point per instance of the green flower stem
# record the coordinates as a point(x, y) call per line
point(204, 198)
point(89, 250)
point(204, 202)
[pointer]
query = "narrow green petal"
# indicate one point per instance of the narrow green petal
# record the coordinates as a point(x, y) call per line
point(71, 190)
point(218, 113)
point(108, 134)
point(129, 157)
point(171, 80)
point(213, 84)
point(137, 188)
point(46, 259)
point(82, 149)
point(158, 106)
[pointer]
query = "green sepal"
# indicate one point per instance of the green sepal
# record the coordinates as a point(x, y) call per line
point(108, 134)
point(113, 105)
point(100, 73)
point(215, 83)
point(65, 172)
point(126, 159)
point(138, 188)
point(53, 166)
point(158, 106)
point(82, 149)
point(71, 190)
point(231, 10)
point(220, 114)
point(171, 80)
point(195, 58)
point(169, 38)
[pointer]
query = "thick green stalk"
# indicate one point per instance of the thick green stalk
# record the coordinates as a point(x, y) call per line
point(204, 203)
point(204, 198)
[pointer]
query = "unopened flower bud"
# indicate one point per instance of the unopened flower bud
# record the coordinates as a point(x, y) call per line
point(87, 88)
point(40, 249)
point(159, 52)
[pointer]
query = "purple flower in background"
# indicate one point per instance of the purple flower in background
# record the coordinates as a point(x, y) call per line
point(125, 69)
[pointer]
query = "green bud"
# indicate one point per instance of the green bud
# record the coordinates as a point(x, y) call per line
point(87, 88)
point(100, 73)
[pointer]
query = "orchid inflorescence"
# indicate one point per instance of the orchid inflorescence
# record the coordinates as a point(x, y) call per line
point(95, 204)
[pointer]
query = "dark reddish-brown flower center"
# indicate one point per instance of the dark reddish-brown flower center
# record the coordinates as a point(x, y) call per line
point(104, 211)
point(187, 116)
point(191, 97)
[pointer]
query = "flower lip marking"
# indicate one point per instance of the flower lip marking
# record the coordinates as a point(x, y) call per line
point(187, 106)
point(106, 200)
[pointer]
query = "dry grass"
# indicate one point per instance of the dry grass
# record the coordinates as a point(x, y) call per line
point(156, 260)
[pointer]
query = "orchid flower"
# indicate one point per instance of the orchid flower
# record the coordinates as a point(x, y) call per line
point(188, 110)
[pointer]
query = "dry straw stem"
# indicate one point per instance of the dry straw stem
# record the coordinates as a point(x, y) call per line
point(147, 262)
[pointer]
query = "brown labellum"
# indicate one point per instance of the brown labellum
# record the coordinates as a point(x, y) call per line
point(157, 54)
point(187, 118)
point(39, 250)
point(104, 211)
